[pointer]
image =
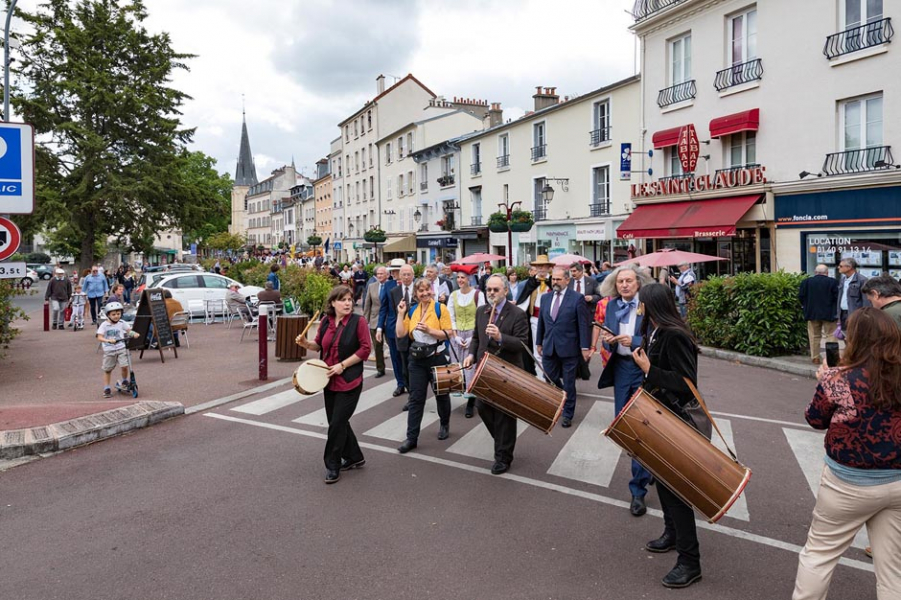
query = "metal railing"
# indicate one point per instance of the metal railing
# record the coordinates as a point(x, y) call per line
point(539, 152)
point(599, 136)
point(599, 209)
point(503, 161)
point(738, 74)
point(859, 161)
point(475, 168)
point(736, 168)
point(677, 93)
point(475, 220)
point(446, 180)
point(540, 214)
point(642, 9)
point(858, 38)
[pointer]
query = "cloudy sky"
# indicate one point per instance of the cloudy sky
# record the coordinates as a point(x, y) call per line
point(302, 66)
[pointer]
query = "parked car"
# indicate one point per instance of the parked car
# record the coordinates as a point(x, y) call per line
point(43, 271)
point(200, 287)
point(31, 277)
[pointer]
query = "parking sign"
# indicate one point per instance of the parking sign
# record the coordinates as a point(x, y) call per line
point(16, 168)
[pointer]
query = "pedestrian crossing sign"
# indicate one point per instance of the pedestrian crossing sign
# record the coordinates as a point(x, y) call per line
point(16, 168)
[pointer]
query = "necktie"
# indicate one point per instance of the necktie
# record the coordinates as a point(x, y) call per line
point(555, 306)
point(622, 316)
point(579, 285)
point(407, 296)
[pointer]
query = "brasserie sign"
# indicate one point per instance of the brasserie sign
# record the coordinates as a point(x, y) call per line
point(723, 180)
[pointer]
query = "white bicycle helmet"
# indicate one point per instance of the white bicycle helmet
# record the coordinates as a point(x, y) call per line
point(114, 306)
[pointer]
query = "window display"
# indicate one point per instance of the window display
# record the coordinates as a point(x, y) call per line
point(874, 251)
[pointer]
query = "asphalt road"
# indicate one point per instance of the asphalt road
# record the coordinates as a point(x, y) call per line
point(230, 503)
point(32, 302)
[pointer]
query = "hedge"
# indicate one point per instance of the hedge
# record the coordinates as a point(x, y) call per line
point(753, 313)
point(9, 313)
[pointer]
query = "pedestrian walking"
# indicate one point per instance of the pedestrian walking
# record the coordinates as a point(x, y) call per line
point(95, 288)
point(818, 296)
point(58, 294)
point(884, 292)
point(581, 283)
point(372, 306)
point(273, 277)
point(462, 306)
point(683, 283)
point(850, 297)
point(389, 314)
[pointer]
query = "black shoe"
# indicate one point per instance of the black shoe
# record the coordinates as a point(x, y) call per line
point(53, 327)
point(638, 507)
point(400, 390)
point(499, 467)
point(406, 407)
point(406, 447)
point(332, 475)
point(566, 422)
point(468, 413)
point(443, 432)
point(682, 576)
point(379, 374)
point(664, 543)
point(347, 465)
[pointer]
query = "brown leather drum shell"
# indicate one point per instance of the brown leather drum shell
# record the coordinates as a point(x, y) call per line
point(448, 379)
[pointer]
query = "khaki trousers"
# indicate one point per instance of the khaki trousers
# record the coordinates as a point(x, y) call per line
point(817, 331)
point(841, 510)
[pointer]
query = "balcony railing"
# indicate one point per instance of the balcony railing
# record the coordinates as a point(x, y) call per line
point(859, 161)
point(739, 74)
point(446, 180)
point(423, 186)
point(677, 93)
point(539, 152)
point(642, 9)
point(858, 38)
point(736, 168)
point(540, 214)
point(475, 168)
point(599, 136)
point(475, 221)
point(599, 209)
point(503, 161)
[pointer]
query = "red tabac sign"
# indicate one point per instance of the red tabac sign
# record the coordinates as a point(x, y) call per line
point(689, 148)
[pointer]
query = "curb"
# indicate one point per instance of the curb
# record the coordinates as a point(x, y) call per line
point(760, 361)
point(18, 443)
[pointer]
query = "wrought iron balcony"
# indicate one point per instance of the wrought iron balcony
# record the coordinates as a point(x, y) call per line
point(642, 9)
point(475, 168)
point(446, 180)
point(876, 158)
point(858, 38)
point(475, 221)
point(503, 161)
point(599, 209)
point(736, 168)
point(540, 214)
point(539, 152)
point(423, 186)
point(739, 74)
point(677, 93)
point(599, 136)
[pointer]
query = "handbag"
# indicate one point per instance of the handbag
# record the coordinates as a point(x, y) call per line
point(420, 350)
point(67, 314)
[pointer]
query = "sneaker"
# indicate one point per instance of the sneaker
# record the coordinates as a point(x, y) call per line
point(53, 326)
point(107, 393)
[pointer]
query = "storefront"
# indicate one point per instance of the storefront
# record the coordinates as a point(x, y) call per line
point(473, 241)
point(436, 248)
point(398, 247)
point(825, 227)
point(556, 239)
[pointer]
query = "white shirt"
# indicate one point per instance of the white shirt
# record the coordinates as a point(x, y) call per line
point(581, 283)
point(627, 327)
point(463, 300)
point(845, 284)
point(554, 299)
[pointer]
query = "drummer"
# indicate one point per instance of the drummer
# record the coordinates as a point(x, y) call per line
point(428, 325)
point(343, 343)
point(502, 328)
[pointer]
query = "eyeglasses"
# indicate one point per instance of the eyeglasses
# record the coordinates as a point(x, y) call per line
point(493, 289)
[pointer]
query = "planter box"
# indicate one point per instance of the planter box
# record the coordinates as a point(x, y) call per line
point(521, 226)
point(375, 239)
point(497, 227)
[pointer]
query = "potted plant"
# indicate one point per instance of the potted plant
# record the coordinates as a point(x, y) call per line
point(497, 222)
point(440, 222)
point(521, 220)
point(375, 235)
point(314, 240)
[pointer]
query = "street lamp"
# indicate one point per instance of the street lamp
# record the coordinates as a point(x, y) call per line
point(509, 211)
point(547, 192)
point(417, 216)
point(6, 60)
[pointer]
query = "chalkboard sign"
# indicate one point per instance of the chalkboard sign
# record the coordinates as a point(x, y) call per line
point(152, 310)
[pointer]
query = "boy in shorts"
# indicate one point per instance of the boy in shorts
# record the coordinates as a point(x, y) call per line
point(112, 334)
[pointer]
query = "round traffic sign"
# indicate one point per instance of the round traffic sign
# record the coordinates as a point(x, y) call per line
point(9, 238)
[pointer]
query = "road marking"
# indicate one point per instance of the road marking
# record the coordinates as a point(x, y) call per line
point(761, 419)
point(478, 443)
point(807, 446)
point(368, 399)
point(739, 509)
point(225, 400)
point(278, 401)
point(722, 529)
point(395, 428)
point(589, 456)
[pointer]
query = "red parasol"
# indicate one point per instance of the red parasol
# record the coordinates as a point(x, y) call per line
point(479, 258)
point(668, 257)
point(565, 260)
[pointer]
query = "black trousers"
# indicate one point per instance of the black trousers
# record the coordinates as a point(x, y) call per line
point(96, 305)
point(679, 519)
point(420, 380)
point(379, 349)
point(502, 428)
point(341, 442)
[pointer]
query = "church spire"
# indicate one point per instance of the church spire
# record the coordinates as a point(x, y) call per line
point(246, 173)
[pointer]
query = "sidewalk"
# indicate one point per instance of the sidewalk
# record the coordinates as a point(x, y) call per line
point(796, 365)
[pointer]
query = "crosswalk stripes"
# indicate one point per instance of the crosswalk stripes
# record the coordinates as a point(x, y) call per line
point(739, 509)
point(395, 428)
point(588, 456)
point(277, 401)
point(807, 447)
point(368, 399)
point(478, 443)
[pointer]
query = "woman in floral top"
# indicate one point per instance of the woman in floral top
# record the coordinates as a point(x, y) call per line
point(859, 404)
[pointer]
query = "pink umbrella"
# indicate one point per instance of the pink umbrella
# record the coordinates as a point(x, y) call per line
point(564, 260)
point(478, 258)
point(668, 257)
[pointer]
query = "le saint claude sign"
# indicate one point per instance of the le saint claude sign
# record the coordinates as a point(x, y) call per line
point(726, 179)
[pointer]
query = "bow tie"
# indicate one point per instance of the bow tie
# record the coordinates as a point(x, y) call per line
point(622, 315)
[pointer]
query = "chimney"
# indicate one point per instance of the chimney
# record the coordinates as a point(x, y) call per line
point(495, 115)
point(380, 84)
point(545, 97)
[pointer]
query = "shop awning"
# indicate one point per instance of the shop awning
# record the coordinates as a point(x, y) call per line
point(748, 120)
point(666, 138)
point(698, 218)
point(405, 244)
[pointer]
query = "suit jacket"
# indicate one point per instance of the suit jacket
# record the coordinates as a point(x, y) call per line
point(391, 297)
point(590, 288)
point(450, 281)
point(372, 304)
point(514, 327)
point(819, 298)
point(566, 335)
point(856, 299)
point(610, 321)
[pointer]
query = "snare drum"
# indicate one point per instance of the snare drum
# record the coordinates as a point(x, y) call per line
point(517, 393)
point(448, 379)
point(676, 454)
point(311, 377)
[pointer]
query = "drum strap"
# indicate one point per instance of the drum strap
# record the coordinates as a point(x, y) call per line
point(700, 400)
point(537, 363)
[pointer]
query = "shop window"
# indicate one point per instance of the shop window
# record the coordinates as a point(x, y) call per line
point(875, 251)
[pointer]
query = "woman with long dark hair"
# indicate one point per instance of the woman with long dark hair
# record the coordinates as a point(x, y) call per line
point(667, 356)
point(343, 343)
point(858, 403)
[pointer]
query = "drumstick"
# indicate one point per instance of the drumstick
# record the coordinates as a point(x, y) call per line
point(491, 316)
point(309, 324)
point(318, 366)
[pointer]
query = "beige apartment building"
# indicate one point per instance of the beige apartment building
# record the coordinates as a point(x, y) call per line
point(259, 202)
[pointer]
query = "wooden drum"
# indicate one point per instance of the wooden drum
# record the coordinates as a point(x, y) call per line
point(311, 377)
point(676, 454)
point(517, 393)
point(448, 379)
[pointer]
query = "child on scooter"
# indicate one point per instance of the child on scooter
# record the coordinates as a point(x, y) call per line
point(78, 301)
point(112, 334)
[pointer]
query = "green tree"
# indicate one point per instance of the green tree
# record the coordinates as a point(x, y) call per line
point(110, 156)
point(226, 241)
point(212, 214)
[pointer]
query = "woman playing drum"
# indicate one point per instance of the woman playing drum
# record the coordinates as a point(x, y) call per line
point(428, 325)
point(668, 355)
point(462, 306)
point(343, 343)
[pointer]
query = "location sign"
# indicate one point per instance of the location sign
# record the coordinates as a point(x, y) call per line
point(16, 168)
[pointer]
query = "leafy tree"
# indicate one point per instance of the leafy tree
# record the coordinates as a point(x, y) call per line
point(110, 156)
point(226, 241)
point(212, 215)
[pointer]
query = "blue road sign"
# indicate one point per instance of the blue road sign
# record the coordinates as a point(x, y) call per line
point(16, 168)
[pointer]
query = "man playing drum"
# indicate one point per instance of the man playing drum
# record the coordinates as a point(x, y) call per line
point(502, 329)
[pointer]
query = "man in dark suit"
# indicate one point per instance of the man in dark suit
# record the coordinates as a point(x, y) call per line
point(850, 298)
point(504, 337)
point(587, 286)
point(399, 348)
point(372, 306)
point(819, 298)
point(563, 335)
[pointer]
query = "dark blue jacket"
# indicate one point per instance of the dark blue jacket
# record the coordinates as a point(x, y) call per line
point(616, 305)
point(819, 298)
point(387, 311)
point(566, 335)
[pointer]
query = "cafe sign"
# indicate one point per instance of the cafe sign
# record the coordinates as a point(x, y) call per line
point(726, 179)
point(689, 148)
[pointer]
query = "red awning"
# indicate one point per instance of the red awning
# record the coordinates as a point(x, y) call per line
point(666, 138)
point(748, 120)
point(698, 218)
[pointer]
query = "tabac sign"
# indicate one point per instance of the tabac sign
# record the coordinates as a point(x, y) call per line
point(723, 180)
point(689, 148)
